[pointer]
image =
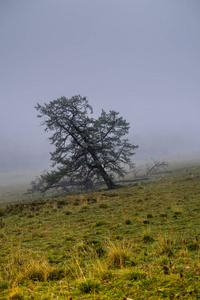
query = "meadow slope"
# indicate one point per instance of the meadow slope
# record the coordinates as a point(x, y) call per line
point(140, 241)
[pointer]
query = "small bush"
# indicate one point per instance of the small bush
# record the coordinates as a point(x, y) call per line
point(118, 255)
point(76, 202)
point(82, 249)
point(133, 275)
point(67, 212)
point(96, 247)
point(127, 222)
point(99, 250)
point(61, 203)
point(146, 222)
point(149, 216)
point(140, 187)
point(99, 223)
point(56, 274)
point(3, 285)
point(2, 212)
point(83, 208)
point(176, 214)
point(2, 223)
point(147, 238)
point(30, 215)
point(103, 205)
point(165, 246)
point(163, 215)
point(193, 246)
point(69, 238)
point(23, 214)
point(88, 285)
point(2, 235)
point(163, 260)
point(106, 275)
point(36, 275)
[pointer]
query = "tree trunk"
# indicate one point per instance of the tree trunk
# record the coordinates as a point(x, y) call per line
point(109, 182)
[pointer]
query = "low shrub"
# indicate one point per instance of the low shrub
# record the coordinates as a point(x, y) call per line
point(134, 275)
point(88, 285)
point(193, 246)
point(2, 223)
point(118, 255)
point(67, 212)
point(3, 285)
point(165, 246)
point(100, 223)
point(147, 238)
point(146, 222)
point(2, 212)
point(127, 222)
point(163, 215)
point(103, 205)
point(149, 216)
point(56, 274)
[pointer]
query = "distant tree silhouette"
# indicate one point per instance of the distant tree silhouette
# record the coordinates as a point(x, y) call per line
point(157, 166)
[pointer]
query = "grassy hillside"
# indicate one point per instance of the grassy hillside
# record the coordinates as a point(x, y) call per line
point(140, 241)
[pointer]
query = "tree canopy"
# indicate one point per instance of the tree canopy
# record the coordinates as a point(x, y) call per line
point(86, 149)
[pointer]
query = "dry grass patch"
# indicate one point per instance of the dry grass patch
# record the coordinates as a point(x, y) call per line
point(28, 266)
point(118, 254)
point(165, 245)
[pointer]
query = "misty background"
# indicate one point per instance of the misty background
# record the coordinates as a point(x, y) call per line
point(138, 57)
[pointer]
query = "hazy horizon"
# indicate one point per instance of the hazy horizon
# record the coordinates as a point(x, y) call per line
point(138, 57)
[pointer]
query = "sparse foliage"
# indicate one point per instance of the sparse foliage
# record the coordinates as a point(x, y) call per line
point(86, 149)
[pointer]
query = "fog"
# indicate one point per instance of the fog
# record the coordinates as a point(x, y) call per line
point(138, 57)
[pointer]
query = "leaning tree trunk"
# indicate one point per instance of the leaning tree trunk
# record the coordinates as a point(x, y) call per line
point(109, 182)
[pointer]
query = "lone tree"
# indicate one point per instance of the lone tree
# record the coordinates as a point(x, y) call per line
point(86, 149)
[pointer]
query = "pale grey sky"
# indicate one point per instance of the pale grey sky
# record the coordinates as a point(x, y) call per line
point(138, 57)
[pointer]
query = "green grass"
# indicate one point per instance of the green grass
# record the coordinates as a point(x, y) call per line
point(140, 241)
